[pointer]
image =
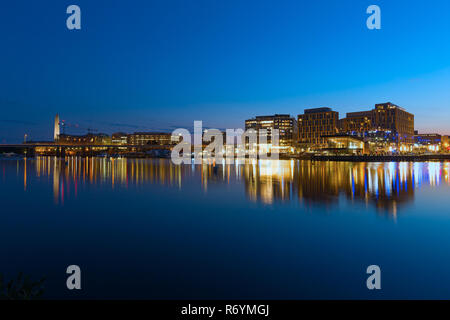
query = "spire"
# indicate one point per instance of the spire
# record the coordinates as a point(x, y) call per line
point(56, 130)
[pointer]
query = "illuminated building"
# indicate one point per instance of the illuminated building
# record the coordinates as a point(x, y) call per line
point(56, 129)
point(284, 123)
point(428, 142)
point(119, 138)
point(391, 121)
point(445, 143)
point(90, 138)
point(357, 122)
point(391, 117)
point(344, 144)
point(314, 124)
point(427, 138)
point(381, 141)
point(151, 138)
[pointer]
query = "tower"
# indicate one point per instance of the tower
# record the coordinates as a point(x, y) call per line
point(56, 130)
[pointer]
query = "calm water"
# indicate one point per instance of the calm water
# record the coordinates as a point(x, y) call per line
point(278, 230)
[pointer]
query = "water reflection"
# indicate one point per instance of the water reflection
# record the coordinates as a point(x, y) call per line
point(384, 185)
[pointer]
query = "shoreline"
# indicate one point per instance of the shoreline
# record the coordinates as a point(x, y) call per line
point(384, 158)
point(337, 158)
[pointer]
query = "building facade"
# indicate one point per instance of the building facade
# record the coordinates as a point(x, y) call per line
point(284, 123)
point(386, 120)
point(426, 142)
point(151, 138)
point(314, 124)
point(345, 144)
point(390, 116)
point(446, 143)
point(119, 138)
point(357, 122)
point(427, 138)
point(88, 139)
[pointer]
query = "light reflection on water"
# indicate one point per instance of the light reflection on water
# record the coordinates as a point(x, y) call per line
point(227, 231)
point(384, 185)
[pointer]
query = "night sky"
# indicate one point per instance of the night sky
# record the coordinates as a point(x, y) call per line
point(160, 65)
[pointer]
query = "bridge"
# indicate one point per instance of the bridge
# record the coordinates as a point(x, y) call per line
point(35, 145)
point(60, 149)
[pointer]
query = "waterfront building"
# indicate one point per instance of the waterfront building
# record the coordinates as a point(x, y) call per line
point(382, 141)
point(386, 119)
point(152, 138)
point(357, 122)
point(389, 116)
point(119, 138)
point(314, 124)
point(344, 144)
point(284, 123)
point(426, 142)
point(427, 138)
point(445, 143)
point(87, 139)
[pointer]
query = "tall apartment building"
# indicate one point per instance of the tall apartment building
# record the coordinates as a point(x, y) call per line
point(357, 122)
point(286, 125)
point(316, 123)
point(385, 117)
point(391, 116)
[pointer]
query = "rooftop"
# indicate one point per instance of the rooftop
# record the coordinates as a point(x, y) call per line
point(317, 110)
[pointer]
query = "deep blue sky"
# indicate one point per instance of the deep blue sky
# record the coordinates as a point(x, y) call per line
point(157, 65)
